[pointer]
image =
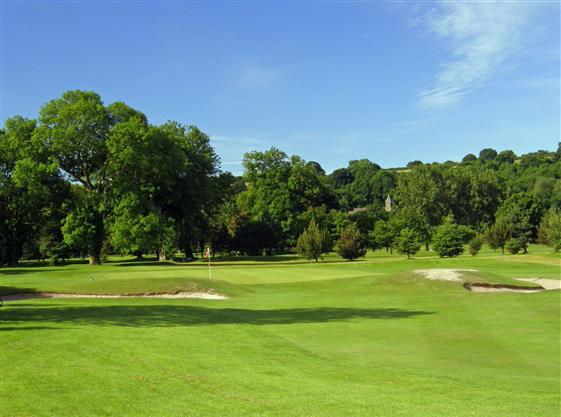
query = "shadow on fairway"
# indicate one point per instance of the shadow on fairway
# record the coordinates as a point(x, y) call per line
point(178, 315)
point(4, 290)
point(9, 329)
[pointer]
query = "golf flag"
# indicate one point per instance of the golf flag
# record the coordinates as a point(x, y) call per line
point(207, 254)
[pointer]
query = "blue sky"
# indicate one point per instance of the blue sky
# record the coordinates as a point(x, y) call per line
point(388, 81)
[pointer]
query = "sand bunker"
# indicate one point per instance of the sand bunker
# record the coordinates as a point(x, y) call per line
point(180, 294)
point(444, 274)
point(548, 284)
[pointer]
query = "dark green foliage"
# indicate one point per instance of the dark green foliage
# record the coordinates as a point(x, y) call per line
point(487, 154)
point(475, 244)
point(498, 234)
point(313, 242)
point(550, 229)
point(138, 232)
point(341, 177)
point(361, 184)
point(51, 244)
point(352, 244)
point(407, 243)
point(506, 157)
point(472, 195)
point(423, 190)
point(255, 237)
point(86, 176)
point(449, 239)
point(32, 190)
point(384, 234)
point(523, 211)
point(414, 164)
point(74, 131)
point(513, 245)
point(279, 188)
point(413, 219)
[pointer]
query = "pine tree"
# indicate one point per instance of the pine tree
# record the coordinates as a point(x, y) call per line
point(407, 243)
point(351, 245)
point(313, 242)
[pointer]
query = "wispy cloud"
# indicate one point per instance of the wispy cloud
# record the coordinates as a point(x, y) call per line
point(257, 77)
point(550, 83)
point(483, 36)
point(238, 140)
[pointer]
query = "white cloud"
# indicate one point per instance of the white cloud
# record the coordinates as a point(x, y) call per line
point(483, 36)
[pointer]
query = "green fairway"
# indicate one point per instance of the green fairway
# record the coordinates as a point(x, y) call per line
point(295, 338)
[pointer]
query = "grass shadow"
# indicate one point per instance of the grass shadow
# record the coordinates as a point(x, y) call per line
point(4, 290)
point(9, 329)
point(181, 315)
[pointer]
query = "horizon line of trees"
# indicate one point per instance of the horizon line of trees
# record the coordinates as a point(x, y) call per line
point(89, 179)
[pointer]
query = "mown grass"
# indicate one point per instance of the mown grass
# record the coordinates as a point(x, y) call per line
point(365, 338)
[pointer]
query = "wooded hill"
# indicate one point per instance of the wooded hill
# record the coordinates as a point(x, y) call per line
point(86, 178)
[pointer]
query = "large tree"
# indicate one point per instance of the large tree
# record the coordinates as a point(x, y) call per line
point(280, 188)
point(423, 190)
point(111, 151)
point(31, 190)
point(472, 195)
point(74, 132)
point(522, 213)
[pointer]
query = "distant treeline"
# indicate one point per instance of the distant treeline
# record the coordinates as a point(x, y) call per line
point(90, 179)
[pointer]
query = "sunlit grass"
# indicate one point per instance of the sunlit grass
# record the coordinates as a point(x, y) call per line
point(296, 338)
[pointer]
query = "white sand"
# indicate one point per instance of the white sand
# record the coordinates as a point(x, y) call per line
point(548, 284)
point(443, 274)
point(476, 288)
point(199, 295)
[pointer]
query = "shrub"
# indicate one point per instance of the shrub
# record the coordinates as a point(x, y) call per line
point(383, 235)
point(513, 245)
point(449, 239)
point(498, 234)
point(407, 243)
point(351, 245)
point(550, 230)
point(475, 244)
point(313, 242)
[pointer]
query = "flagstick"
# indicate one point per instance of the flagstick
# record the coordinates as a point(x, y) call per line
point(209, 270)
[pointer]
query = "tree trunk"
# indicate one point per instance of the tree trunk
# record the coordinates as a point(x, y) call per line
point(14, 253)
point(162, 255)
point(188, 251)
point(427, 246)
point(95, 254)
point(95, 259)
